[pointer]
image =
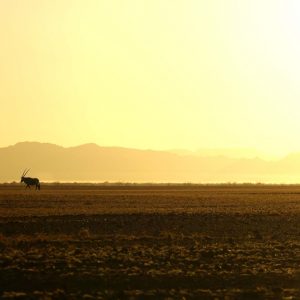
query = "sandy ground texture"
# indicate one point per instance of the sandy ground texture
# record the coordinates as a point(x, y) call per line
point(150, 242)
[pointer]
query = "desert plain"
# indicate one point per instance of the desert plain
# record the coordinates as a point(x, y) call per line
point(81, 241)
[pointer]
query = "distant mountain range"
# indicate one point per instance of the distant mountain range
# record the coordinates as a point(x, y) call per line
point(90, 162)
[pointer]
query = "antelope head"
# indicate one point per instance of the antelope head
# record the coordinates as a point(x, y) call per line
point(23, 175)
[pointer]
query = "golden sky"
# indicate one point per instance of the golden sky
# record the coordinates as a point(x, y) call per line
point(159, 74)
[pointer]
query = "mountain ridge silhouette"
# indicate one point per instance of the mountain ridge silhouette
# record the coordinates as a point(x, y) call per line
point(91, 162)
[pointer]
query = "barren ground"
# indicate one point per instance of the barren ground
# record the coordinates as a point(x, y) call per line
point(150, 242)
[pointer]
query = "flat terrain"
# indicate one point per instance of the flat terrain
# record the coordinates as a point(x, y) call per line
point(150, 242)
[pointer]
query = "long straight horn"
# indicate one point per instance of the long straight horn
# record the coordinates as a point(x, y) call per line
point(26, 172)
point(23, 172)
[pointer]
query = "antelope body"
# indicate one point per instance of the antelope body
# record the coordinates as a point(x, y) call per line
point(30, 181)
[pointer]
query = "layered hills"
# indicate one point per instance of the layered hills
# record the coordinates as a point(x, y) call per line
point(90, 162)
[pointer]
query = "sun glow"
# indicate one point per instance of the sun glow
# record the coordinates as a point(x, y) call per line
point(159, 74)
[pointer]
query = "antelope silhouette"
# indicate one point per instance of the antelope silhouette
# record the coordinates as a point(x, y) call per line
point(30, 181)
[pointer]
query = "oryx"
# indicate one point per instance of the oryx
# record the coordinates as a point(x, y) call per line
point(30, 181)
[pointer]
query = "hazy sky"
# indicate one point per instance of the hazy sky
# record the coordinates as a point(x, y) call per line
point(157, 74)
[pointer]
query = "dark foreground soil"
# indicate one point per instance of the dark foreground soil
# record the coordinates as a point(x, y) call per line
point(80, 242)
